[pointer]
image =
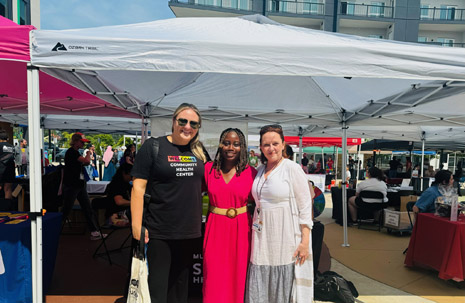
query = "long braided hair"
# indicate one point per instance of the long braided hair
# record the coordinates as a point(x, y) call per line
point(243, 160)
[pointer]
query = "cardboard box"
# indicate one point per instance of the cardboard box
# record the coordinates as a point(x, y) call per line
point(405, 199)
point(397, 220)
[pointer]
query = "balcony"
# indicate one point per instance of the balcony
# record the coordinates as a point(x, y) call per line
point(301, 7)
point(445, 44)
point(366, 10)
point(241, 5)
point(442, 14)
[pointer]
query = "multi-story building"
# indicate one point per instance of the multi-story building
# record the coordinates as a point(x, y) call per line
point(21, 11)
point(440, 22)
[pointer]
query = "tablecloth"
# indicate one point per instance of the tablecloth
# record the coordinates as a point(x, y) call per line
point(15, 247)
point(438, 243)
point(97, 187)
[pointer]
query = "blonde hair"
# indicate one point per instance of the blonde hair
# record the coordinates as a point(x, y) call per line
point(195, 144)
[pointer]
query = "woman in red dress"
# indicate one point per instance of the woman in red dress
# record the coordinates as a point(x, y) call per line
point(226, 246)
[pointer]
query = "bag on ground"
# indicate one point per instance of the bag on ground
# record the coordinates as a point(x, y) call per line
point(330, 286)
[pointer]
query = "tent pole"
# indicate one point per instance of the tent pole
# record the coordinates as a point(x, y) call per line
point(323, 159)
point(300, 149)
point(343, 176)
point(359, 147)
point(335, 150)
point(35, 180)
point(422, 159)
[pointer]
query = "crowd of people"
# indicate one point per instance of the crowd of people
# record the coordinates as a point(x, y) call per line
point(264, 255)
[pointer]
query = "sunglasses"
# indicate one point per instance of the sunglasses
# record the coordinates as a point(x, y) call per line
point(183, 122)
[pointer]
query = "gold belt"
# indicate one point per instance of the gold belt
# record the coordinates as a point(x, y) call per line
point(228, 212)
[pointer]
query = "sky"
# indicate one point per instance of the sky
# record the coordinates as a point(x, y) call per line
point(66, 14)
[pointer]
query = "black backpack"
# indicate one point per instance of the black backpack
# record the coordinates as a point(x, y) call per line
point(330, 286)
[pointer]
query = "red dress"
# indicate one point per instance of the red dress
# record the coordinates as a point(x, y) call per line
point(226, 246)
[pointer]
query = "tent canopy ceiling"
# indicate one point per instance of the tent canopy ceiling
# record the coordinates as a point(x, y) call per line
point(255, 70)
point(86, 124)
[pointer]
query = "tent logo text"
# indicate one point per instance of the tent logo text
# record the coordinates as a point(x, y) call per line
point(59, 47)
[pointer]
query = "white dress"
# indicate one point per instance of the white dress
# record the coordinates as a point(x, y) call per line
point(283, 203)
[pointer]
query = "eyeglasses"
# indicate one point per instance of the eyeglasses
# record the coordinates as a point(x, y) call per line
point(183, 122)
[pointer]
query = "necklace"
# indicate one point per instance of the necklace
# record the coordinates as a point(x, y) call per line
point(259, 190)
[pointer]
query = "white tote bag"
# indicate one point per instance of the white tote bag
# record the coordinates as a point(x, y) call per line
point(138, 285)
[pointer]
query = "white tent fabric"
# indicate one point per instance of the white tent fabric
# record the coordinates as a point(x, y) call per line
point(250, 68)
point(80, 123)
point(254, 70)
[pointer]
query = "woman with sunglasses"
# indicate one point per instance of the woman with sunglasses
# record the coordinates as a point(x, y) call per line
point(281, 267)
point(227, 234)
point(173, 216)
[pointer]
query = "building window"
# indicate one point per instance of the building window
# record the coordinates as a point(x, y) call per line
point(425, 12)
point(24, 12)
point(448, 12)
point(5, 8)
point(348, 8)
point(377, 9)
point(422, 39)
point(446, 41)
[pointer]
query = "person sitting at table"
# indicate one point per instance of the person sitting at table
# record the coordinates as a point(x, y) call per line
point(443, 180)
point(374, 183)
point(118, 196)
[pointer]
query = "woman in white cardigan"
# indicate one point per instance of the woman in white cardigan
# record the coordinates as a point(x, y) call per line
point(281, 267)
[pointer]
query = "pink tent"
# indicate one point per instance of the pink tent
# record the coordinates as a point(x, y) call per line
point(57, 97)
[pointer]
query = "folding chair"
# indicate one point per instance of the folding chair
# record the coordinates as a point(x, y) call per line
point(101, 203)
point(366, 213)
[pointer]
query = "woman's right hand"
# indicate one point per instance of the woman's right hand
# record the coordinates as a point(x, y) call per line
point(136, 234)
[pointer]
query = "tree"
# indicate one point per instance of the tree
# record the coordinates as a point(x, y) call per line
point(101, 142)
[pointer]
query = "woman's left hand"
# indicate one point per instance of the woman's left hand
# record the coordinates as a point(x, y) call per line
point(301, 254)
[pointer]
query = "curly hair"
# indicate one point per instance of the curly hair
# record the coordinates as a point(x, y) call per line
point(242, 161)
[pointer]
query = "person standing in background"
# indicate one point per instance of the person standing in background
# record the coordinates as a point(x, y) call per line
point(305, 163)
point(93, 161)
point(75, 186)
point(253, 159)
point(109, 166)
point(22, 157)
point(7, 165)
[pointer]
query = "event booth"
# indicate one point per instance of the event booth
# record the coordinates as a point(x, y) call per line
point(250, 70)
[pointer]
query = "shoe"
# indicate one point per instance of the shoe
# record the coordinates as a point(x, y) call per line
point(95, 235)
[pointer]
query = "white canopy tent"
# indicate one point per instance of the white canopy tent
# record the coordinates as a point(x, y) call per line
point(248, 69)
point(81, 123)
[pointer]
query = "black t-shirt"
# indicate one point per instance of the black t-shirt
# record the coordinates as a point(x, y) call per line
point(73, 174)
point(7, 162)
point(174, 184)
point(117, 187)
point(393, 164)
point(304, 161)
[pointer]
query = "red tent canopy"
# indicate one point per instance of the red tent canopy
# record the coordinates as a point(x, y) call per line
point(321, 141)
